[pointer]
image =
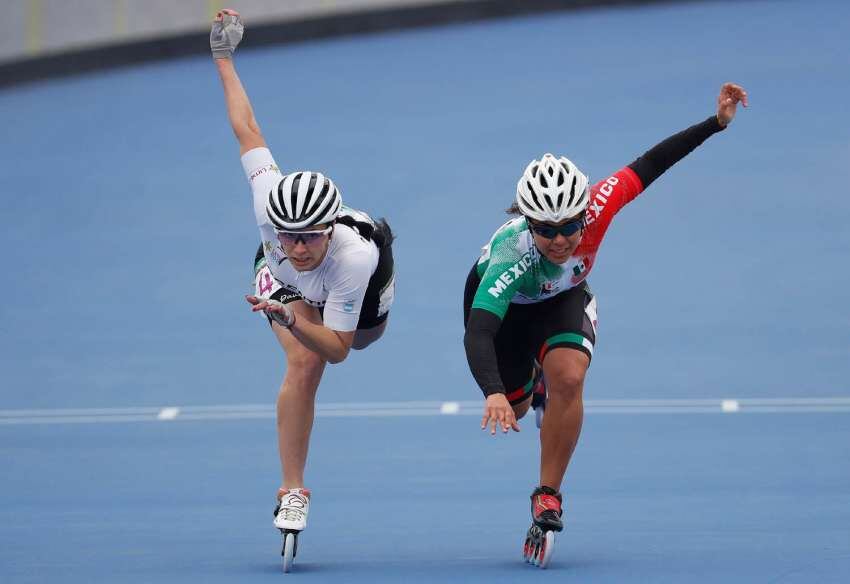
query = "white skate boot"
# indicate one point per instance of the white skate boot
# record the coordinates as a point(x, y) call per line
point(290, 517)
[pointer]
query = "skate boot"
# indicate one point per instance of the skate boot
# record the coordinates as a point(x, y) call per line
point(546, 509)
point(290, 517)
point(546, 516)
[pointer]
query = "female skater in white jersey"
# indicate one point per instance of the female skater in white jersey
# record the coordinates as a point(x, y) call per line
point(323, 275)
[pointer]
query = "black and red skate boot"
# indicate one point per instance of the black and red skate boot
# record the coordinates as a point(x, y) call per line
point(546, 509)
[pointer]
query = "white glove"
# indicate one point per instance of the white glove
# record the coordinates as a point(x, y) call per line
point(280, 313)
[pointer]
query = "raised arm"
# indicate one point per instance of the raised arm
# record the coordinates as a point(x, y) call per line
point(225, 35)
point(665, 154)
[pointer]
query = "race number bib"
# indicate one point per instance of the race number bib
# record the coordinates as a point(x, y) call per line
point(264, 283)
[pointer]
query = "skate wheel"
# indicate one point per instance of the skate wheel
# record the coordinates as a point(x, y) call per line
point(547, 548)
point(538, 547)
point(288, 551)
point(531, 545)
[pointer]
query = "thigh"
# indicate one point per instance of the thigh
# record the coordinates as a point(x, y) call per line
point(266, 286)
point(365, 337)
point(297, 355)
point(515, 353)
point(567, 321)
point(380, 294)
point(304, 368)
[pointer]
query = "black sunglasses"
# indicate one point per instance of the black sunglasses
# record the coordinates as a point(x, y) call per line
point(552, 231)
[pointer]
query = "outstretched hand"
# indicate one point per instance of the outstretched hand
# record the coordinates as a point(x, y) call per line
point(499, 413)
point(226, 33)
point(277, 311)
point(727, 102)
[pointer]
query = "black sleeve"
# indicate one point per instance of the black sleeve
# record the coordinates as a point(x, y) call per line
point(662, 156)
point(481, 329)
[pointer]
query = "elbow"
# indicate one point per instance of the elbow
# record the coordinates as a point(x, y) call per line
point(474, 342)
point(247, 134)
point(253, 127)
point(467, 341)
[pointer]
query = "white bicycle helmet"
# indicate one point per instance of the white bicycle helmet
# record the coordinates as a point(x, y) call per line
point(551, 190)
point(302, 199)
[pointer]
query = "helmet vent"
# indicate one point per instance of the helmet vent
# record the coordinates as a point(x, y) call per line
point(296, 182)
point(274, 204)
point(534, 196)
point(543, 181)
point(321, 198)
point(582, 197)
point(293, 195)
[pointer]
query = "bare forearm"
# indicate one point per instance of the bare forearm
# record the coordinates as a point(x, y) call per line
point(321, 340)
point(239, 109)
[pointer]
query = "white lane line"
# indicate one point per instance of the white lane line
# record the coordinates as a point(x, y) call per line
point(772, 401)
point(80, 412)
point(416, 408)
point(74, 420)
point(450, 408)
point(168, 413)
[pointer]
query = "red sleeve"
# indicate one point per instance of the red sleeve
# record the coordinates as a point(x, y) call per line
point(607, 197)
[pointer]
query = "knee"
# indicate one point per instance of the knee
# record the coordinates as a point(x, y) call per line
point(566, 382)
point(304, 364)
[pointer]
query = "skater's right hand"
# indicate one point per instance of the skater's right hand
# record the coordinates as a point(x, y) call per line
point(274, 309)
point(226, 33)
point(498, 412)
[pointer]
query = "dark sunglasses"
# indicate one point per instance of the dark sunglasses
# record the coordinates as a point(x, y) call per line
point(552, 231)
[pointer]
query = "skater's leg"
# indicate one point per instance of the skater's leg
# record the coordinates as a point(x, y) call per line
point(365, 337)
point(565, 369)
point(538, 395)
point(295, 402)
point(374, 312)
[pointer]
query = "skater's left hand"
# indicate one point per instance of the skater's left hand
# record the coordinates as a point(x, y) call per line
point(277, 311)
point(727, 102)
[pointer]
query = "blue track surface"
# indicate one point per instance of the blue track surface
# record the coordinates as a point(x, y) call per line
point(126, 240)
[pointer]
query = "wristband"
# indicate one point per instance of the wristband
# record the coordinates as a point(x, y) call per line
point(285, 319)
